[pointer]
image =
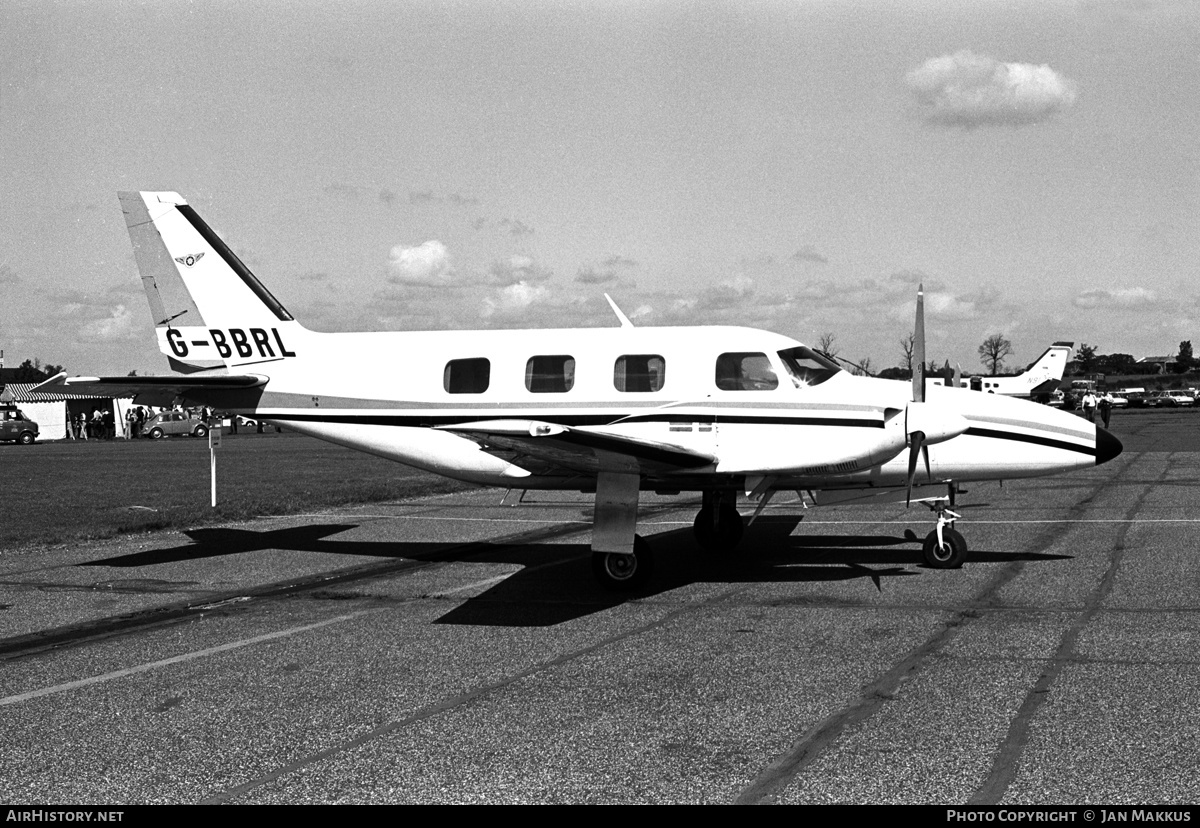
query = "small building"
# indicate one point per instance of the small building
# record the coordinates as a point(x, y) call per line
point(1164, 363)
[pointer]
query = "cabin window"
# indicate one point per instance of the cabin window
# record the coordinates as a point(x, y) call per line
point(745, 372)
point(806, 367)
point(467, 376)
point(639, 372)
point(553, 374)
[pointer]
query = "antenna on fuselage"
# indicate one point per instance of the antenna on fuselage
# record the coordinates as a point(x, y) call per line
point(625, 323)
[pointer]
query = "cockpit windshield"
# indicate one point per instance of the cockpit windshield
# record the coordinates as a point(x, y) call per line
point(806, 367)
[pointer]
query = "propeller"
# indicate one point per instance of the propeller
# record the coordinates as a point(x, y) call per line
point(916, 437)
point(925, 423)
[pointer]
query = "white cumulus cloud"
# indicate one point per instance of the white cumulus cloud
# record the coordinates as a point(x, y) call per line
point(425, 264)
point(970, 90)
point(513, 299)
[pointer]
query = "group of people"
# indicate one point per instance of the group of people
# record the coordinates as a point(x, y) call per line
point(99, 425)
point(135, 418)
point(1091, 404)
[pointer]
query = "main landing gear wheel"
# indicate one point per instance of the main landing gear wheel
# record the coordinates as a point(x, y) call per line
point(623, 573)
point(949, 554)
point(721, 534)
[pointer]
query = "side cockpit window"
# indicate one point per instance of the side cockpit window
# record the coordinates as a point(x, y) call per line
point(745, 371)
point(467, 376)
point(550, 374)
point(806, 367)
point(639, 373)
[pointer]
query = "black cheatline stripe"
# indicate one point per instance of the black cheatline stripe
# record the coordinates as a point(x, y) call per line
point(561, 419)
point(1029, 438)
point(233, 261)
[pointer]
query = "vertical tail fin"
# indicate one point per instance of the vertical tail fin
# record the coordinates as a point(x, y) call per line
point(208, 308)
point(1049, 367)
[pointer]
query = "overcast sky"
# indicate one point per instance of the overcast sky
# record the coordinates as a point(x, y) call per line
point(795, 166)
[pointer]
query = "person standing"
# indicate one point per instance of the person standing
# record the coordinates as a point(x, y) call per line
point(1089, 406)
point(1106, 406)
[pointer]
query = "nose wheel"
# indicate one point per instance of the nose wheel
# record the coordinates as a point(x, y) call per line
point(944, 547)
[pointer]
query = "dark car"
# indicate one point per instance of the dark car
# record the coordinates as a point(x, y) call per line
point(16, 427)
point(168, 423)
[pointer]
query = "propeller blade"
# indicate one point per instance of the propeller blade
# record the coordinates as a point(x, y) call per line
point(917, 446)
point(919, 348)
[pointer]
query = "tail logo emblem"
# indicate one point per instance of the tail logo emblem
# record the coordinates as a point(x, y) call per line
point(188, 261)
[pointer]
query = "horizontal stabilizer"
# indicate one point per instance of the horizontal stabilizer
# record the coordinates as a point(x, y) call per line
point(159, 391)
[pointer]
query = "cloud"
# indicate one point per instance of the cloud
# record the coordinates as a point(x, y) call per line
point(426, 264)
point(946, 306)
point(517, 269)
point(1120, 298)
point(619, 261)
point(514, 299)
point(808, 253)
point(117, 326)
point(8, 276)
point(516, 227)
point(387, 197)
point(591, 276)
point(969, 90)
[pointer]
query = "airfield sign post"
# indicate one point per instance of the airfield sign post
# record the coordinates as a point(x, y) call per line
point(214, 443)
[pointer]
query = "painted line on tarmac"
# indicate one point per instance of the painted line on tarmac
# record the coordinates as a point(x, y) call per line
point(462, 519)
point(180, 659)
point(974, 522)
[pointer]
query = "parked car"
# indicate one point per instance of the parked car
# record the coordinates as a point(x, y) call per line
point(167, 423)
point(1169, 399)
point(16, 427)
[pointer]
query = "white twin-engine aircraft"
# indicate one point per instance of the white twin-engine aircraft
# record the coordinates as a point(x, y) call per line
point(618, 411)
point(1038, 382)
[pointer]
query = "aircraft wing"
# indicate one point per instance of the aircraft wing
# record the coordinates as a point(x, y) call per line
point(575, 449)
point(158, 391)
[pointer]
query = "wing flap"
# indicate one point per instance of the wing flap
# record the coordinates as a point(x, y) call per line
point(577, 449)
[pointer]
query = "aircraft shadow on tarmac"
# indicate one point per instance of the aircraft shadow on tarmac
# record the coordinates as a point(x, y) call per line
point(555, 584)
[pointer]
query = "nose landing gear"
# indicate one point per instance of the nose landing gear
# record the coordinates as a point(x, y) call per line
point(944, 547)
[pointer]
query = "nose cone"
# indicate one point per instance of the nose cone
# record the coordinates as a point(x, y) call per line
point(1107, 446)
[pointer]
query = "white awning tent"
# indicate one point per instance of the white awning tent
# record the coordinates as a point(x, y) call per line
point(50, 411)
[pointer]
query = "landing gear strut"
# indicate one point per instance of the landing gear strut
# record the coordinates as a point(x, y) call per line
point(944, 547)
point(719, 525)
